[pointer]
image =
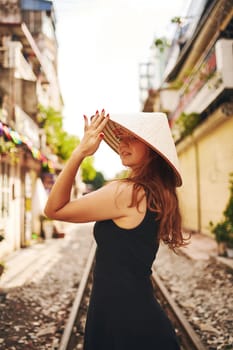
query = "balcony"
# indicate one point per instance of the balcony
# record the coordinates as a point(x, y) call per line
point(11, 57)
point(213, 75)
point(27, 127)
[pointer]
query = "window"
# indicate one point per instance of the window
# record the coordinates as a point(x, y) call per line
point(33, 21)
point(4, 194)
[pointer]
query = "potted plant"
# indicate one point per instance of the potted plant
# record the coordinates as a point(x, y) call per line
point(2, 292)
point(224, 237)
point(47, 227)
point(2, 267)
point(229, 245)
point(223, 230)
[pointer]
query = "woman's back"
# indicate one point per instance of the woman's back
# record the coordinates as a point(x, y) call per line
point(130, 250)
point(123, 313)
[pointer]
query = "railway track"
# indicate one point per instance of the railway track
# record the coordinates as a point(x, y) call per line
point(72, 338)
point(186, 334)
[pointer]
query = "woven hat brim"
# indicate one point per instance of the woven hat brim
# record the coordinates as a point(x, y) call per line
point(118, 121)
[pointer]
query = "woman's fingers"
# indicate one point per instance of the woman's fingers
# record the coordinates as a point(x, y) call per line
point(93, 132)
point(97, 121)
point(102, 123)
point(85, 122)
point(98, 118)
point(95, 116)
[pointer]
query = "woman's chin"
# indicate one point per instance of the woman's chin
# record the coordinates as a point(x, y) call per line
point(125, 163)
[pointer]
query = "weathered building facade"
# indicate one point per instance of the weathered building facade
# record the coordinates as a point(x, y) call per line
point(197, 95)
point(28, 77)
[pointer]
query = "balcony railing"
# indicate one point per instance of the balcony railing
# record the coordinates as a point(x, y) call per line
point(215, 73)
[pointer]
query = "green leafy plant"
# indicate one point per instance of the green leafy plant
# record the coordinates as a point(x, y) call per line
point(10, 149)
point(6, 146)
point(97, 182)
point(186, 123)
point(223, 230)
point(62, 143)
point(162, 44)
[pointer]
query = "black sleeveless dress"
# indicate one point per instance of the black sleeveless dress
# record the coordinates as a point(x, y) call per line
point(123, 313)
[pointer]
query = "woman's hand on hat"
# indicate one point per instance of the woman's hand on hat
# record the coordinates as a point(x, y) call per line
point(93, 133)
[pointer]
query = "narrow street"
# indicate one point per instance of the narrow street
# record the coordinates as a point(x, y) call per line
point(40, 284)
point(62, 59)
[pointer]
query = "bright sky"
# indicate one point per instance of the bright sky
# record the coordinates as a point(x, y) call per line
point(101, 43)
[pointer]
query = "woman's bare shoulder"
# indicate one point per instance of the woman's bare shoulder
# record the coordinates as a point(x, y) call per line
point(133, 212)
point(121, 186)
point(123, 190)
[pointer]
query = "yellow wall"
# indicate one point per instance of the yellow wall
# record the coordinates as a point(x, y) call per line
point(188, 192)
point(205, 191)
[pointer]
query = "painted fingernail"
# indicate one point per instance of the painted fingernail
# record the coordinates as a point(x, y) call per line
point(108, 116)
point(84, 116)
point(101, 135)
point(97, 112)
point(103, 111)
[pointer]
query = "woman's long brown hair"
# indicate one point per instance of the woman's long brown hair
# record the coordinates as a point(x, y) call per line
point(158, 180)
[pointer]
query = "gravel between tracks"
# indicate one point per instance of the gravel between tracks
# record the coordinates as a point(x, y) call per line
point(33, 316)
point(203, 290)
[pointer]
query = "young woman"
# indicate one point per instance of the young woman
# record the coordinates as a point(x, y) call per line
point(132, 216)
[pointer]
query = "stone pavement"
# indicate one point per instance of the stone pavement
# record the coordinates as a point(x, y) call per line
point(38, 288)
point(202, 247)
point(24, 264)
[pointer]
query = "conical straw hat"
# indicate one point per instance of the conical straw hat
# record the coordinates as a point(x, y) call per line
point(151, 128)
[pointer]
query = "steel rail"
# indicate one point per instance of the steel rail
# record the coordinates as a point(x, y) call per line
point(76, 305)
point(194, 342)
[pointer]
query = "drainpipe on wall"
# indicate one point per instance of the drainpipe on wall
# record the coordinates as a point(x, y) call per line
point(197, 167)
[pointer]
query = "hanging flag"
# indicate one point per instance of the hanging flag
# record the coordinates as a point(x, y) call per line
point(19, 139)
point(15, 137)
